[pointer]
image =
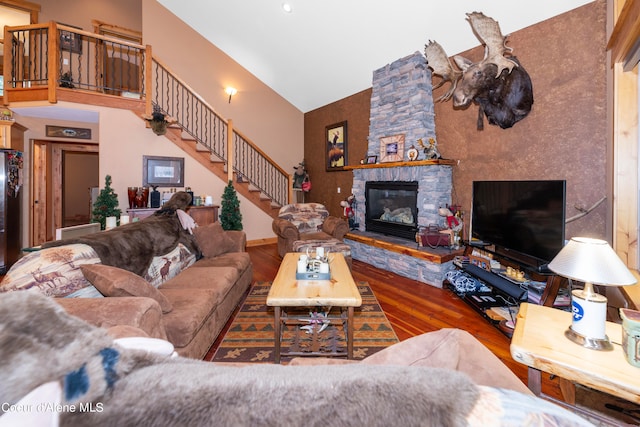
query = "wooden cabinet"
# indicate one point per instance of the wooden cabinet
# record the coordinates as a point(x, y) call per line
point(11, 135)
point(202, 215)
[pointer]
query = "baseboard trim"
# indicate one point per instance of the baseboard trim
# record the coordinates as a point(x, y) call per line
point(261, 242)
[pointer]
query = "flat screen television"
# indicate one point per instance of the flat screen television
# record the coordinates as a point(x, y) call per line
point(526, 217)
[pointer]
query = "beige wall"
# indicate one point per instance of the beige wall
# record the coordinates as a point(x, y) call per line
point(121, 157)
point(79, 13)
point(266, 118)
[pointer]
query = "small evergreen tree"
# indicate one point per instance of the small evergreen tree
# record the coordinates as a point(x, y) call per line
point(106, 204)
point(230, 216)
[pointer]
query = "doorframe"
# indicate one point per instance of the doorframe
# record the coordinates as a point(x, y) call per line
point(46, 194)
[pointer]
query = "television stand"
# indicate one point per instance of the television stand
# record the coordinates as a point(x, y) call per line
point(497, 297)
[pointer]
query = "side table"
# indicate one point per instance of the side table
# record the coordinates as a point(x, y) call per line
point(539, 342)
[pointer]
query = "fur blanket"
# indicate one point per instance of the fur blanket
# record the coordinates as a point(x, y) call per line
point(40, 343)
point(133, 246)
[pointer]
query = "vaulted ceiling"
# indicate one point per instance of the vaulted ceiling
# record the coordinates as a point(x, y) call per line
point(325, 50)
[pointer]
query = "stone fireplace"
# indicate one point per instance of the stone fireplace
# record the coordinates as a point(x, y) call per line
point(402, 104)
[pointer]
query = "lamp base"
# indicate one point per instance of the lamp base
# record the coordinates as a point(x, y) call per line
point(592, 343)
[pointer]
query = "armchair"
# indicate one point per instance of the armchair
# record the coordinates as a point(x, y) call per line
point(304, 223)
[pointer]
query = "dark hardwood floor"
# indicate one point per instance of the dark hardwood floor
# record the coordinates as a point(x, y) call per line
point(413, 308)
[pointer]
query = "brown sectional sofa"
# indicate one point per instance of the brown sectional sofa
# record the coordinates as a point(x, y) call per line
point(203, 297)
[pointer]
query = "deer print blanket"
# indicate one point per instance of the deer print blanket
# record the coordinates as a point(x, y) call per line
point(156, 248)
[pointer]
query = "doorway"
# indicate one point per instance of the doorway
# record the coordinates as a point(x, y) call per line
point(79, 181)
point(63, 175)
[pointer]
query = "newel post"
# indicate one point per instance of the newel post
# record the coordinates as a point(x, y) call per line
point(230, 150)
point(54, 63)
point(148, 80)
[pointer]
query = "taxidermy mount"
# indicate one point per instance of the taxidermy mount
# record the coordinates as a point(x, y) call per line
point(498, 84)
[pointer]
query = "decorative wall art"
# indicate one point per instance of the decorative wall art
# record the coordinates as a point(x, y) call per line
point(162, 171)
point(336, 149)
point(371, 160)
point(67, 132)
point(392, 148)
point(70, 42)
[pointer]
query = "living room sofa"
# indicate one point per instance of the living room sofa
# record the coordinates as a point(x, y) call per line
point(152, 278)
point(445, 378)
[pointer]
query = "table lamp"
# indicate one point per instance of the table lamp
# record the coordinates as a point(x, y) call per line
point(591, 261)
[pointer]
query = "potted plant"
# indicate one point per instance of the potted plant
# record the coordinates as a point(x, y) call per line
point(158, 121)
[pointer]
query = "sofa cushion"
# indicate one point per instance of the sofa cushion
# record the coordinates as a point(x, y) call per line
point(238, 260)
point(191, 309)
point(164, 267)
point(213, 240)
point(218, 279)
point(116, 282)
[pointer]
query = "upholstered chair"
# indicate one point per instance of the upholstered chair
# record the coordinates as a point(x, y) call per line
point(307, 223)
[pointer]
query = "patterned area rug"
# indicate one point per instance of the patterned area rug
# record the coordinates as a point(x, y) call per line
point(250, 336)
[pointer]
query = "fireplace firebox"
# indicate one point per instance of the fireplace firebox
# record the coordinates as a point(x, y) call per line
point(391, 208)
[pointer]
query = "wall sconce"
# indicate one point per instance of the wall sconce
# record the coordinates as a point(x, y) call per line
point(231, 91)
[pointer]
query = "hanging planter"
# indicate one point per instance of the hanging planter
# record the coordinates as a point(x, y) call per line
point(158, 121)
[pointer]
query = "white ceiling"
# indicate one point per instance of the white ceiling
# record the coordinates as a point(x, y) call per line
point(326, 50)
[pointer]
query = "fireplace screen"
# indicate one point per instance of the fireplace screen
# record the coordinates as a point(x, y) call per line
point(391, 208)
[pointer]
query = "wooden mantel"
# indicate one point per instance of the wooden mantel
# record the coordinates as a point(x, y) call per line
point(403, 164)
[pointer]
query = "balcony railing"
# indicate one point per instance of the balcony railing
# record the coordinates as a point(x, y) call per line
point(42, 61)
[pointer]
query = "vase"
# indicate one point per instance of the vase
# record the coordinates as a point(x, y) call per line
point(142, 197)
point(131, 193)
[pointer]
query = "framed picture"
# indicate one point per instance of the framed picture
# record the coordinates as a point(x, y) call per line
point(336, 146)
point(392, 148)
point(70, 42)
point(67, 132)
point(371, 160)
point(162, 171)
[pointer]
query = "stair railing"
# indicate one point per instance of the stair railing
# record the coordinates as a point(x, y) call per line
point(197, 118)
point(37, 63)
point(37, 66)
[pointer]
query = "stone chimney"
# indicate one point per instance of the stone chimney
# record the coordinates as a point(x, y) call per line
point(402, 103)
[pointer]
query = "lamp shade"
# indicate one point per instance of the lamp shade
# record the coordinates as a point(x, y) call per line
point(591, 260)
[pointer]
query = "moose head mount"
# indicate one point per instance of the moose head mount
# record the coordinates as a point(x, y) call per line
point(498, 84)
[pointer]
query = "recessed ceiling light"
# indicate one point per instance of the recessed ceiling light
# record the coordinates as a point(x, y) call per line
point(287, 7)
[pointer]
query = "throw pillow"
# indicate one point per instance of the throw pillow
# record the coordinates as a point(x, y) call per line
point(116, 282)
point(213, 240)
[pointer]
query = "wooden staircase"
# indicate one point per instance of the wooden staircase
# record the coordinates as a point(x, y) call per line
point(219, 168)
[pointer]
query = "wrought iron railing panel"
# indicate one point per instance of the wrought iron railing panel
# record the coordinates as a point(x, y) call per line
point(84, 61)
point(251, 165)
point(175, 99)
point(29, 58)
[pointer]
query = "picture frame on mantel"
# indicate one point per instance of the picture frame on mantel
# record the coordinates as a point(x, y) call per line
point(392, 148)
point(336, 146)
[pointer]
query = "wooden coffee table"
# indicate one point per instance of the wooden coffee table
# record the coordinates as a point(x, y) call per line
point(340, 291)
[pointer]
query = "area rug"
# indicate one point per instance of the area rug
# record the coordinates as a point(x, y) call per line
point(250, 337)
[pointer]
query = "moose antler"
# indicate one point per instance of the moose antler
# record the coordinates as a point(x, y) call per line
point(439, 62)
point(488, 32)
